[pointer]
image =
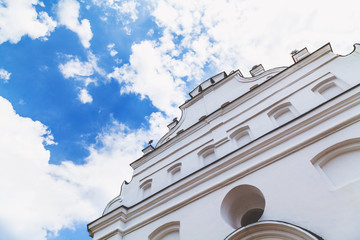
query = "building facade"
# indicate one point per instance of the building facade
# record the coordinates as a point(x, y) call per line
point(272, 156)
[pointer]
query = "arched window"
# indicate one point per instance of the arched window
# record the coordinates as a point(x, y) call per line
point(270, 230)
point(340, 163)
point(146, 188)
point(207, 155)
point(168, 231)
point(282, 113)
point(175, 172)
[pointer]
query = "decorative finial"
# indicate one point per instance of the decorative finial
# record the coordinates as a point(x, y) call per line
point(294, 52)
point(150, 142)
point(255, 66)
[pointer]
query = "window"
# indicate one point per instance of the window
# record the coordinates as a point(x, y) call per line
point(146, 188)
point(282, 113)
point(175, 172)
point(340, 163)
point(168, 231)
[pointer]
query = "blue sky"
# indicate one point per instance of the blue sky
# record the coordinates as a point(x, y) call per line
point(84, 85)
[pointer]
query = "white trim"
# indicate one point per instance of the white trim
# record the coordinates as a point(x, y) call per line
point(165, 229)
point(271, 230)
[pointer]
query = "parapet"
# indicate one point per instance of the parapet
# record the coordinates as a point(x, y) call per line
point(207, 83)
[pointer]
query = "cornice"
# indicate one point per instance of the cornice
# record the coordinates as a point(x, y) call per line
point(260, 145)
point(163, 146)
point(234, 104)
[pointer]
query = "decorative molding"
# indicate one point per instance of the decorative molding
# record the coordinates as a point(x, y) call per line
point(282, 113)
point(160, 147)
point(308, 121)
point(241, 136)
point(164, 230)
point(117, 232)
point(272, 230)
point(333, 163)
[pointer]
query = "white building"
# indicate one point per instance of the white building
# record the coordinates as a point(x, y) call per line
point(272, 156)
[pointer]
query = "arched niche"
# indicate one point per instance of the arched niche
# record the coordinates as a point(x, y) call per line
point(145, 188)
point(282, 113)
point(168, 231)
point(207, 154)
point(272, 230)
point(340, 163)
point(242, 206)
point(175, 172)
point(329, 86)
point(241, 136)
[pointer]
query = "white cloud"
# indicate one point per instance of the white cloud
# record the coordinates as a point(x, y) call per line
point(84, 96)
point(111, 49)
point(68, 14)
point(113, 52)
point(4, 75)
point(28, 191)
point(221, 35)
point(81, 70)
point(150, 33)
point(126, 11)
point(205, 37)
point(19, 18)
point(232, 34)
point(123, 8)
point(75, 68)
point(39, 198)
point(108, 166)
point(150, 75)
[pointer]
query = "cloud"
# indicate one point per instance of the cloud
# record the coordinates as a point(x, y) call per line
point(84, 96)
point(125, 11)
point(68, 14)
point(81, 70)
point(149, 74)
point(199, 39)
point(113, 52)
point(20, 17)
point(129, 8)
point(111, 49)
point(123, 8)
point(231, 34)
point(107, 166)
point(150, 33)
point(4, 75)
point(27, 188)
point(39, 198)
point(75, 68)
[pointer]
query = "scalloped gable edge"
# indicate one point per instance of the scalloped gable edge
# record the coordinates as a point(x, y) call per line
point(284, 70)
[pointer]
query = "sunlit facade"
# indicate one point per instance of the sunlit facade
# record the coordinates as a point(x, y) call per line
point(271, 156)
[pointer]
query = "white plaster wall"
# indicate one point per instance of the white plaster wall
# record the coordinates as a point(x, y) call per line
point(302, 101)
point(295, 191)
